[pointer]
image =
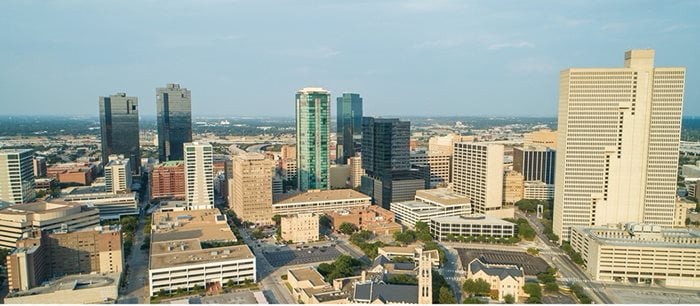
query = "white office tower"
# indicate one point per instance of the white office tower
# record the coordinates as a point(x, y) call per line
point(118, 174)
point(477, 172)
point(16, 176)
point(199, 174)
point(617, 145)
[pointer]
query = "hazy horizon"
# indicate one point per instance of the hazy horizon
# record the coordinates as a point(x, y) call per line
point(406, 58)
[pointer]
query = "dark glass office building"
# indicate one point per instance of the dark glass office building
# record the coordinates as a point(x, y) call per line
point(535, 163)
point(386, 160)
point(119, 125)
point(349, 120)
point(174, 107)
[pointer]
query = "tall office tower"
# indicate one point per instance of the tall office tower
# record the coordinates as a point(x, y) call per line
point(251, 187)
point(385, 145)
point(349, 131)
point(119, 125)
point(174, 107)
point(535, 163)
point(17, 176)
point(477, 172)
point(39, 166)
point(618, 139)
point(385, 159)
point(313, 111)
point(199, 175)
point(118, 174)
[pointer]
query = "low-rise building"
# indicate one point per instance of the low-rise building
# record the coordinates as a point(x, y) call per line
point(46, 183)
point(79, 173)
point(111, 205)
point(317, 201)
point(452, 227)
point(681, 212)
point(19, 220)
point(512, 187)
point(309, 287)
point(372, 218)
point(640, 253)
point(411, 251)
point(431, 203)
point(40, 257)
point(196, 248)
point(504, 279)
point(302, 227)
point(71, 289)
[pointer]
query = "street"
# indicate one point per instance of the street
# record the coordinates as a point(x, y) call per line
point(136, 291)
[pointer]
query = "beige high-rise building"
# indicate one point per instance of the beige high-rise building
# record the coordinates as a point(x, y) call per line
point(513, 187)
point(618, 139)
point(199, 175)
point(445, 144)
point(118, 174)
point(437, 165)
point(543, 137)
point(40, 256)
point(251, 187)
point(477, 172)
point(356, 171)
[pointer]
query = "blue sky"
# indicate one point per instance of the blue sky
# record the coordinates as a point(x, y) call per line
point(436, 57)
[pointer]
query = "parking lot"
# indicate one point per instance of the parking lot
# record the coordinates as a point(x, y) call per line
point(531, 264)
point(309, 254)
point(640, 295)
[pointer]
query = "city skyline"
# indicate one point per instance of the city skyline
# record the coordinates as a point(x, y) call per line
point(516, 47)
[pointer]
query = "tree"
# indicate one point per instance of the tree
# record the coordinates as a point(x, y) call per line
point(421, 226)
point(406, 237)
point(446, 296)
point(474, 300)
point(533, 251)
point(551, 287)
point(534, 300)
point(347, 228)
point(277, 219)
point(402, 279)
point(325, 221)
point(478, 287)
point(509, 299)
point(533, 289)
point(432, 245)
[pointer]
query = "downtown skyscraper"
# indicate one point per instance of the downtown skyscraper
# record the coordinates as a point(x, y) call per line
point(174, 107)
point(618, 139)
point(386, 161)
point(16, 176)
point(349, 121)
point(313, 119)
point(119, 126)
point(199, 175)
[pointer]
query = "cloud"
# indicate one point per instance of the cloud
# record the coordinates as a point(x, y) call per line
point(317, 52)
point(532, 65)
point(440, 43)
point(511, 45)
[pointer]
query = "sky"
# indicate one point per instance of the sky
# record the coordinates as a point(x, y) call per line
point(406, 58)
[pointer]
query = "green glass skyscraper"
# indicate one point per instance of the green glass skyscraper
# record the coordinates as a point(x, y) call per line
point(349, 133)
point(313, 114)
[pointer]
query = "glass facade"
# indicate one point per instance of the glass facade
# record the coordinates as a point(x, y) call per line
point(385, 145)
point(349, 133)
point(119, 124)
point(313, 138)
point(174, 107)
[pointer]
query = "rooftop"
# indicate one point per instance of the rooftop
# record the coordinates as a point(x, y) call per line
point(14, 151)
point(177, 238)
point(444, 196)
point(71, 283)
point(472, 219)
point(387, 293)
point(502, 271)
point(319, 196)
point(171, 163)
point(644, 235)
point(309, 274)
point(39, 207)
